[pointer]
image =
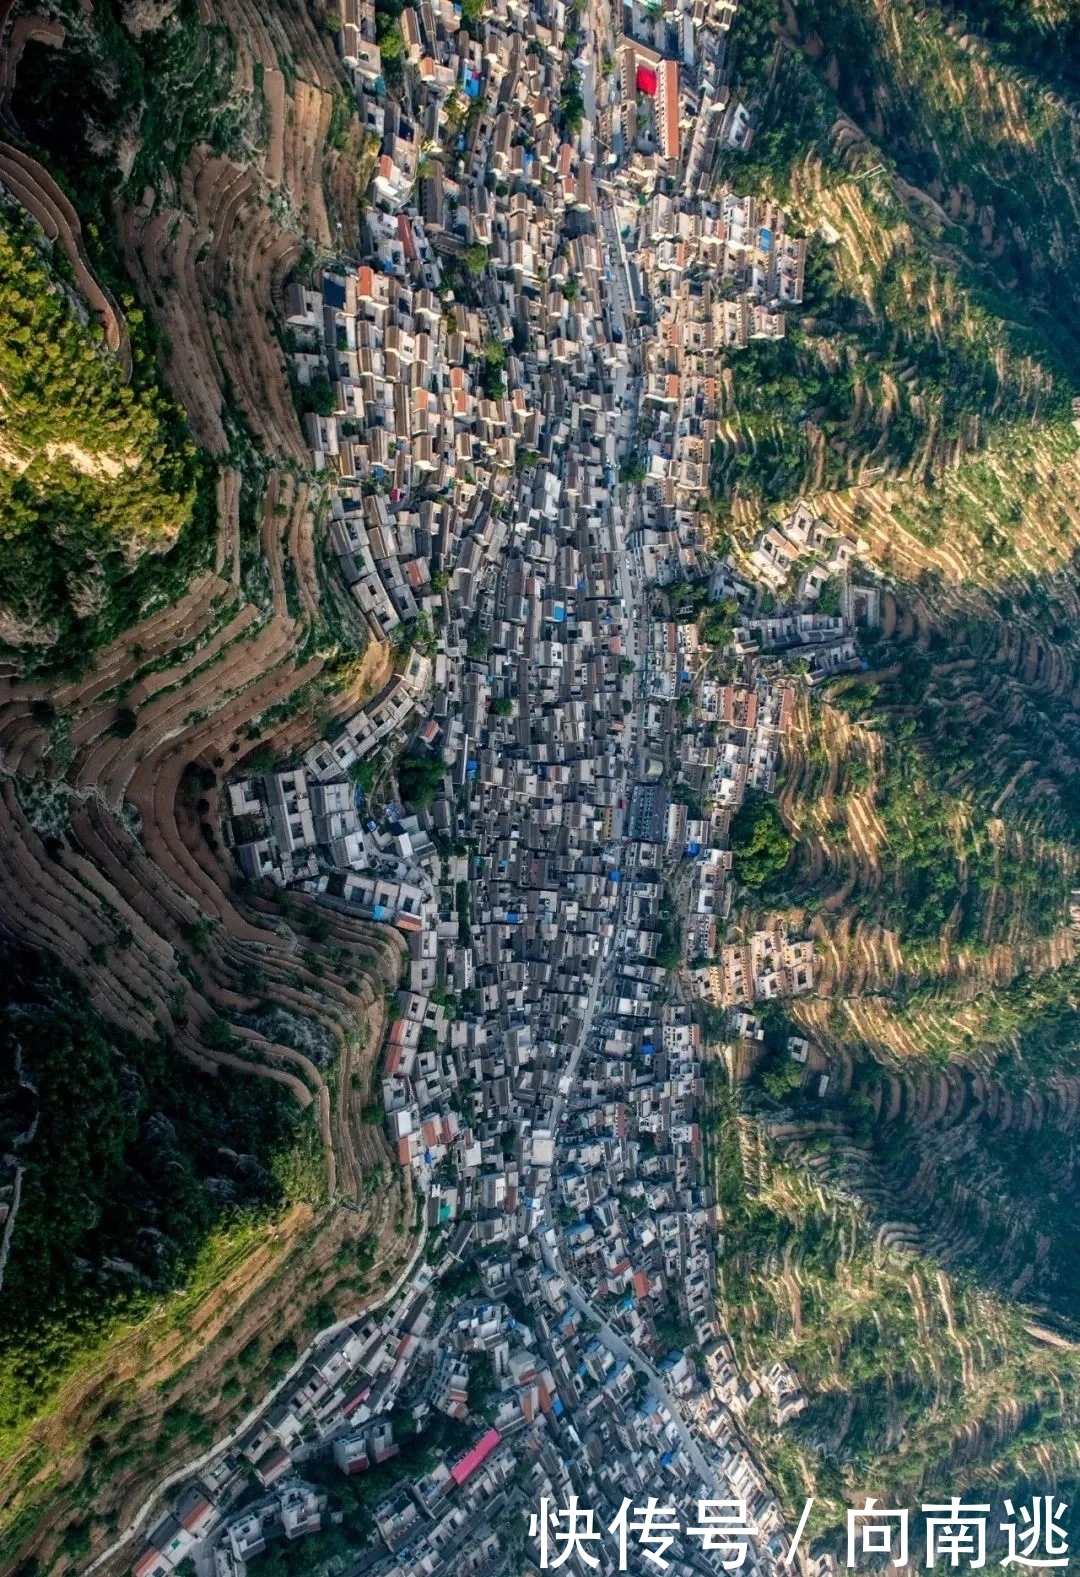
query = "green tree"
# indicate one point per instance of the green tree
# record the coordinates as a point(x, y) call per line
point(99, 471)
point(759, 843)
point(456, 109)
point(390, 38)
point(571, 104)
point(782, 1077)
point(419, 778)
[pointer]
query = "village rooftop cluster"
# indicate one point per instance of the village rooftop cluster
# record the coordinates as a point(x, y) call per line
point(512, 396)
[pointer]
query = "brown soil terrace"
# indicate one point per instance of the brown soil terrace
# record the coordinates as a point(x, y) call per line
point(135, 875)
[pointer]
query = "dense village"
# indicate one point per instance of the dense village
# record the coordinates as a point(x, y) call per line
point(512, 397)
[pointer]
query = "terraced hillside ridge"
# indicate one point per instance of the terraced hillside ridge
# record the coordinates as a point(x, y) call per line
point(899, 1197)
point(183, 553)
point(908, 1374)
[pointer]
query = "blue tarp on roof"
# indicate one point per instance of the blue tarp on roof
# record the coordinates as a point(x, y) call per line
point(333, 292)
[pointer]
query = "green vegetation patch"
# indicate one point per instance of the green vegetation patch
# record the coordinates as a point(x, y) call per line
point(419, 778)
point(90, 479)
point(917, 1383)
point(760, 845)
point(921, 339)
point(135, 1161)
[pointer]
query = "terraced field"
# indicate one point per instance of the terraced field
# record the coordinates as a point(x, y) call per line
point(898, 1217)
point(110, 779)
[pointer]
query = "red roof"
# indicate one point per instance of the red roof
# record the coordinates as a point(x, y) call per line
point(481, 1450)
point(406, 236)
point(646, 81)
point(354, 1401)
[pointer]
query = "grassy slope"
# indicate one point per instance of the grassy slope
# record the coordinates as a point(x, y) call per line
point(923, 400)
point(173, 1252)
point(142, 1177)
point(919, 1382)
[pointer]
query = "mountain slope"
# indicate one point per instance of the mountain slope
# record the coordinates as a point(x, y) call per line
point(898, 1217)
point(224, 650)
